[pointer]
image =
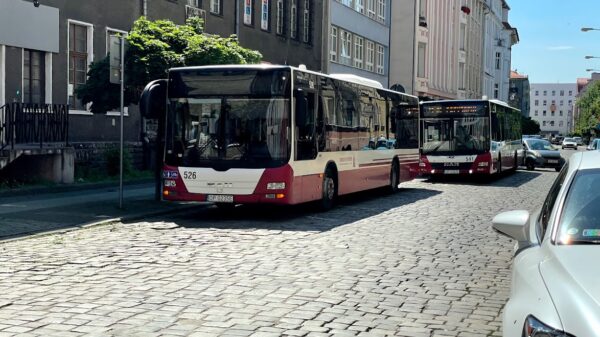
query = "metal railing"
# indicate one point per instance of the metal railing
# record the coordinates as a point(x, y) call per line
point(33, 124)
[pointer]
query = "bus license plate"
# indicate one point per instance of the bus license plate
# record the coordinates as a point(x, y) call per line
point(552, 161)
point(451, 172)
point(219, 198)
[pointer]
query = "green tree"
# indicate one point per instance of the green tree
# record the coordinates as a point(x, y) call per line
point(153, 48)
point(529, 126)
point(589, 109)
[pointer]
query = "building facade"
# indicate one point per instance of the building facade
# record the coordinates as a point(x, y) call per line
point(552, 106)
point(499, 37)
point(359, 38)
point(519, 93)
point(403, 30)
point(456, 47)
point(46, 51)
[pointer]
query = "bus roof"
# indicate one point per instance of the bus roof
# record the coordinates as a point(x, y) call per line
point(466, 101)
point(262, 66)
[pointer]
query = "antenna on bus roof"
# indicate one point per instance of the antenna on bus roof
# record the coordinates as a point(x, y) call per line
point(302, 67)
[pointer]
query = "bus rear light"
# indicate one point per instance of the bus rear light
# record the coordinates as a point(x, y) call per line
point(422, 164)
point(432, 171)
point(279, 196)
point(169, 193)
point(170, 183)
point(276, 186)
point(270, 196)
point(470, 171)
point(484, 164)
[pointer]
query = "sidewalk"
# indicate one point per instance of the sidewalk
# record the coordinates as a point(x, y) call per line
point(44, 212)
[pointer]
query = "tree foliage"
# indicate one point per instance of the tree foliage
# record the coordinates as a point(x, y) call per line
point(529, 126)
point(153, 48)
point(589, 109)
point(98, 90)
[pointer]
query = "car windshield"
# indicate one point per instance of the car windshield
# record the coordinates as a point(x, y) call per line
point(580, 220)
point(569, 140)
point(537, 144)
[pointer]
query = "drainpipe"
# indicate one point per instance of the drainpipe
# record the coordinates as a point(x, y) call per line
point(236, 19)
point(145, 8)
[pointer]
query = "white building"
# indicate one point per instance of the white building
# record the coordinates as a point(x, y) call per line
point(499, 37)
point(552, 107)
point(463, 49)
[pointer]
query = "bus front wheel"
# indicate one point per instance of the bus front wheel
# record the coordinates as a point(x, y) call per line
point(394, 177)
point(329, 190)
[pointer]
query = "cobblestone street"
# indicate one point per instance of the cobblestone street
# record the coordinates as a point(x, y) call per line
point(423, 262)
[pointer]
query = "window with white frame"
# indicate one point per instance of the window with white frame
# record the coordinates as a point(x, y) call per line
point(423, 9)
point(371, 11)
point(294, 19)
point(194, 3)
point(79, 57)
point(381, 10)
point(215, 6)
point(359, 6)
point(359, 51)
point(279, 17)
point(498, 60)
point(496, 90)
point(370, 61)
point(333, 49)
point(461, 76)
point(380, 59)
point(306, 22)
point(346, 47)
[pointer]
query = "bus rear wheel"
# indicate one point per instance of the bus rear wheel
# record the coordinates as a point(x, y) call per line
point(329, 190)
point(394, 177)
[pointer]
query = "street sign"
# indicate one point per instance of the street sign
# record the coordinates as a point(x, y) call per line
point(115, 59)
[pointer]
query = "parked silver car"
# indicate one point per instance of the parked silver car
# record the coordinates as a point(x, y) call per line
point(578, 140)
point(569, 143)
point(540, 153)
point(555, 290)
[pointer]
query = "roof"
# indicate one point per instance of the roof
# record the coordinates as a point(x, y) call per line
point(515, 74)
point(469, 101)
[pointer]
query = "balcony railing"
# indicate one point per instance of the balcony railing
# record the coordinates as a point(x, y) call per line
point(33, 124)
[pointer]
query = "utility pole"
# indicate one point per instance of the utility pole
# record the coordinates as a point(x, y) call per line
point(117, 76)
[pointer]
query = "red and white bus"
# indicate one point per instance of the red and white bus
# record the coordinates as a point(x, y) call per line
point(281, 135)
point(469, 137)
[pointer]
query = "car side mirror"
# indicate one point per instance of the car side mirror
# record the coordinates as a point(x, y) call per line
point(512, 224)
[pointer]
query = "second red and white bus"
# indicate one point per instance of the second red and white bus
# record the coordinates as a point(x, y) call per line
point(282, 135)
point(469, 137)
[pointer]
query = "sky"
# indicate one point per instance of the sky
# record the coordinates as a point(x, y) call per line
point(552, 47)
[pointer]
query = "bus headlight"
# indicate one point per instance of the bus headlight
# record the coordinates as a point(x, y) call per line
point(170, 183)
point(276, 186)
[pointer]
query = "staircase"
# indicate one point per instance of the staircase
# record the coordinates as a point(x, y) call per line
point(32, 129)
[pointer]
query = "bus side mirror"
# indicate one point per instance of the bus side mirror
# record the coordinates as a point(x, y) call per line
point(153, 102)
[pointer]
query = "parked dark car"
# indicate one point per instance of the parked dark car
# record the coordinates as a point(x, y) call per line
point(541, 153)
point(557, 140)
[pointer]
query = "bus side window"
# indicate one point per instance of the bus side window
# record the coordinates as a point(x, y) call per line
point(305, 125)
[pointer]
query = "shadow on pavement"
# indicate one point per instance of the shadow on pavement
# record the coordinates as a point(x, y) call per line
point(304, 217)
point(505, 179)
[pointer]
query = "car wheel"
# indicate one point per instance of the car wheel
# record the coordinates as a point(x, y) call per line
point(329, 190)
point(394, 177)
point(530, 165)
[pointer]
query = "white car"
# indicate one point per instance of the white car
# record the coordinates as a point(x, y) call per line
point(556, 280)
point(579, 140)
point(569, 143)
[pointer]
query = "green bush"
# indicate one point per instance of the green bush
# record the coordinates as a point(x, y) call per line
point(111, 155)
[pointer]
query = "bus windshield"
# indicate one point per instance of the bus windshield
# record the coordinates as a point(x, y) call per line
point(455, 129)
point(462, 136)
point(228, 119)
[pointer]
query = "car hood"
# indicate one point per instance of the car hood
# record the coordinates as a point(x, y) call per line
point(549, 153)
point(571, 275)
